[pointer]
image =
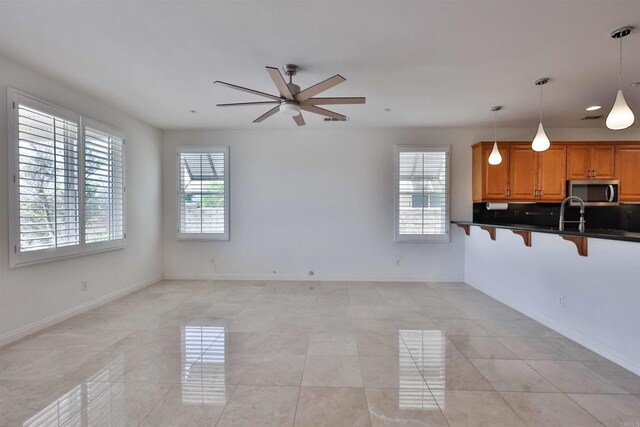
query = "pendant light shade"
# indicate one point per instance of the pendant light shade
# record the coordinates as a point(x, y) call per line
point(541, 141)
point(620, 117)
point(495, 158)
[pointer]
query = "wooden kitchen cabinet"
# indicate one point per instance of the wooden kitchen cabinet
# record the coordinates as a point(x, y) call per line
point(522, 173)
point(527, 176)
point(551, 174)
point(591, 161)
point(490, 182)
point(628, 167)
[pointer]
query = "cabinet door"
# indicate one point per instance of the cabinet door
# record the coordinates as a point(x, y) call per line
point(522, 173)
point(628, 163)
point(551, 174)
point(603, 162)
point(578, 162)
point(495, 177)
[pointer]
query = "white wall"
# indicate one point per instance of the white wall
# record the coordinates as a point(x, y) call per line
point(601, 292)
point(322, 200)
point(318, 200)
point(34, 296)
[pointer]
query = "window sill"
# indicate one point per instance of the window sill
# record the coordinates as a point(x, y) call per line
point(13, 264)
point(200, 238)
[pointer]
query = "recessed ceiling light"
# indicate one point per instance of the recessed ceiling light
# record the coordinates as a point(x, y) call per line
point(387, 109)
point(593, 108)
point(635, 84)
point(192, 111)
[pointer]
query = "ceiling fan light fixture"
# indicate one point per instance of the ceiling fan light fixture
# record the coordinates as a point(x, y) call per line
point(289, 109)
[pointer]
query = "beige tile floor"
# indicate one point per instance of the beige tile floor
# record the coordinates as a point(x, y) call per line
point(197, 353)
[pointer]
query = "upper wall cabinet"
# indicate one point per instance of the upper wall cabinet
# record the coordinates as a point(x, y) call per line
point(591, 161)
point(527, 176)
point(523, 163)
point(551, 172)
point(627, 165)
point(537, 176)
point(491, 182)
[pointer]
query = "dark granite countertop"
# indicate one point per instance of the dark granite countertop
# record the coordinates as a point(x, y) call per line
point(596, 233)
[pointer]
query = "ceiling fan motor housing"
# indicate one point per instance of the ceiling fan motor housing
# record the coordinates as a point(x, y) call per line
point(294, 88)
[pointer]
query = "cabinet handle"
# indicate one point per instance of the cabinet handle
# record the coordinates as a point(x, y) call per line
point(594, 174)
point(540, 193)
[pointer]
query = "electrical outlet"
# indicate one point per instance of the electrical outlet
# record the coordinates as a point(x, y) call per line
point(561, 301)
point(83, 285)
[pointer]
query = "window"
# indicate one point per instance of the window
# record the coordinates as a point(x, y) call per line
point(67, 187)
point(422, 193)
point(203, 193)
point(103, 184)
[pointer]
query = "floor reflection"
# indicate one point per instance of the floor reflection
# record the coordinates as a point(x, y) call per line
point(424, 349)
point(203, 361)
point(98, 401)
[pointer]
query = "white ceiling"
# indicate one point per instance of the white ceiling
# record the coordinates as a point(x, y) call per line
point(433, 63)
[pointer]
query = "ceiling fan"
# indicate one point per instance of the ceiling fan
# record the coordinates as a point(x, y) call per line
point(292, 99)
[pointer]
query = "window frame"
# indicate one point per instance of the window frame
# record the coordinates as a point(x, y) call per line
point(401, 238)
point(22, 259)
point(213, 237)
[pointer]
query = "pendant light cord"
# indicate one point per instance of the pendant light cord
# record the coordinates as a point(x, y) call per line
point(620, 71)
point(541, 103)
point(495, 127)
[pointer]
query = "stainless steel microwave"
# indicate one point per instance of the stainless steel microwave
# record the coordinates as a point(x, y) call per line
point(595, 192)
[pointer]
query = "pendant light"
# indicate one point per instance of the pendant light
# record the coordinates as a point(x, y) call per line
point(620, 117)
point(495, 158)
point(541, 141)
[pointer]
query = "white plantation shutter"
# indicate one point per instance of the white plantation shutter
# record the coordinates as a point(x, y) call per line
point(103, 184)
point(203, 193)
point(57, 206)
point(422, 193)
point(46, 178)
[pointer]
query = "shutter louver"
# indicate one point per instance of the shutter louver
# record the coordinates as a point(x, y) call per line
point(422, 193)
point(203, 193)
point(103, 186)
point(48, 180)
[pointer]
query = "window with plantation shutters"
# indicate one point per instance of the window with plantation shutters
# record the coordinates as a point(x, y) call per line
point(66, 183)
point(203, 187)
point(422, 193)
point(103, 184)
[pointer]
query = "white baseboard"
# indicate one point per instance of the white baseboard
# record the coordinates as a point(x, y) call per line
point(57, 318)
point(579, 337)
point(300, 278)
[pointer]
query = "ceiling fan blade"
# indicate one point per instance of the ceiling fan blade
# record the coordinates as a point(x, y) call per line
point(323, 112)
point(239, 104)
point(267, 114)
point(299, 119)
point(280, 83)
point(334, 101)
point(246, 89)
point(319, 87)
